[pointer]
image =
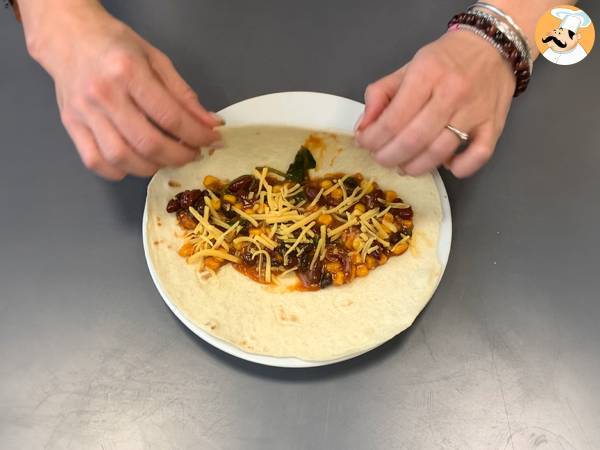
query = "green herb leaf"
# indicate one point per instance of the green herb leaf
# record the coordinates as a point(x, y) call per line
point(271, 170)
point(303, 162)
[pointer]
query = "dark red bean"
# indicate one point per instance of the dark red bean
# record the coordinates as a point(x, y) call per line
point(173, 205)
point(311, 191)
point(241, 185)
point(188, 198)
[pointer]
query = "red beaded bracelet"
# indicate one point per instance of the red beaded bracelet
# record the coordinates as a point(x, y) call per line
point(485, 27)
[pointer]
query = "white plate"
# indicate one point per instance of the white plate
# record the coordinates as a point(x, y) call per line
point(310, 110)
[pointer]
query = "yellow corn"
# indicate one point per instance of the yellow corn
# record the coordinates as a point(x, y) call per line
point(216, 203)
point(338, 278)
point(337, 194)
point(371, 262)
point(229, 198)
point(362, 270)
point(325, 219)
point(356, 243)
point(186, 249)
point(388, 218)
point(400, 248)
point(359, 208)
point(209, 181)
point(390, 196)
point(326, 184)
point(212, 263)
point(333, 267)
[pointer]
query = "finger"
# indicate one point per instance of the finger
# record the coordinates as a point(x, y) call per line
point(414, 92)
point(90, 153)
point(161, 107)
point(378, 96)
point(115, 150)
point(144, 137)
point(478, 152)
point(440, 150)
point(181, 90)
point(420, 132)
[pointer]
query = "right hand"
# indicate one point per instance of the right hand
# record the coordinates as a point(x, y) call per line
point(123, 103)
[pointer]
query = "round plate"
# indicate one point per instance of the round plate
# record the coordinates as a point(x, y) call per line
point(309, 110)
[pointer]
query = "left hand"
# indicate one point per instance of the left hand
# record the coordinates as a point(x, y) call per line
point(460, 80)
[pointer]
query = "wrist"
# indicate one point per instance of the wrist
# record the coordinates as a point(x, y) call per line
point(50, 25)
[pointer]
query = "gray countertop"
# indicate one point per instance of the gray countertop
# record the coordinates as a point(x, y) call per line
point(504, 356)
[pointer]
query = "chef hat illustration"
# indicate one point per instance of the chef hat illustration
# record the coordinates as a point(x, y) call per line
point(571, 20)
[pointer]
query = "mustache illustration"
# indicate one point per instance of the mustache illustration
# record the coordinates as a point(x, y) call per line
point(556, 41)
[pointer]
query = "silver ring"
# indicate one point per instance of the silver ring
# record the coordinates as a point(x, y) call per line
point(459, 134)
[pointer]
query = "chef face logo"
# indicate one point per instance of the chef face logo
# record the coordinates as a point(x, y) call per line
point(561, 40)
point(565, 35)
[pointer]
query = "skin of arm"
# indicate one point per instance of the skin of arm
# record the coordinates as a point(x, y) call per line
point(121, 100)
point(459, 79)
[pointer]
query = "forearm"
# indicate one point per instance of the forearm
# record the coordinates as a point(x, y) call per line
point(527, 13)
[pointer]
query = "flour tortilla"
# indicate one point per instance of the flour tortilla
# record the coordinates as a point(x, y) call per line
point(316, 326)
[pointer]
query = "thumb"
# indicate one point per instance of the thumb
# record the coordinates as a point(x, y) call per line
point(378, 96)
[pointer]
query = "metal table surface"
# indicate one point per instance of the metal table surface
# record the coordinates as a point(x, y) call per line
point(504, 356)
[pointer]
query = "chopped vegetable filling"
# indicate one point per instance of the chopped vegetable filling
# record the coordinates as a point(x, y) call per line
point(272, 224)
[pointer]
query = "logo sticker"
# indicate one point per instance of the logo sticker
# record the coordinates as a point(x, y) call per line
point(564, 35)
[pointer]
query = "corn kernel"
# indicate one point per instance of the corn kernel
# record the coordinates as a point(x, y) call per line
point(238, 245)
point(371, 262)
point(382, 260)
point(212, 263)
point(356, 259)
point(254, 231)
point(326, 184)
point(216, 203)
point(333, 267)
point(229, 198)
point(277, 188)
point(238, 205)
point(255, 207)
point(337, 194)
point(209, 181)
point(388, 218)
point(367, 187)
point(325, 219)
point(349, 241)
point(338, 278)
point(359, 209)
point(362, 270)
point(186, 249)
point(390, 196)
point(356, 243)
point(400, 248)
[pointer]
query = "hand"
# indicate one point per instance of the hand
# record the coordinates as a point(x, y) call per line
point(460, 80)
point(121, 100)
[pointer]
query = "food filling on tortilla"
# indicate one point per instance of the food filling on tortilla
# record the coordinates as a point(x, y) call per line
point(273, 224)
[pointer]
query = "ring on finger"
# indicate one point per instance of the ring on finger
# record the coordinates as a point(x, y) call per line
point(462, 135)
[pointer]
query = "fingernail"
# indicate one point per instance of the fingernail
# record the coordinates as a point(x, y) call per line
point(216, 144)
point(358, 121)
point(218, 118)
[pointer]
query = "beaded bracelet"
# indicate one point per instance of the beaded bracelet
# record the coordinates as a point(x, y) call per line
point(15, 7)
point(486, 26)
